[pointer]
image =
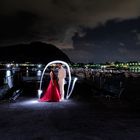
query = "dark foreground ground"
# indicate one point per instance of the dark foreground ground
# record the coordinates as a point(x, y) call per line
point(27, 119)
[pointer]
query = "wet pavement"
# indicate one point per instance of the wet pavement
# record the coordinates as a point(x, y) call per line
point(28, 119)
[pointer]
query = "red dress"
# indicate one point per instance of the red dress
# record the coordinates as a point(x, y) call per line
point(52, 93)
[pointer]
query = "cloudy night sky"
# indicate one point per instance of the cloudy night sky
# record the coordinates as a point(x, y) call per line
point(86, 30)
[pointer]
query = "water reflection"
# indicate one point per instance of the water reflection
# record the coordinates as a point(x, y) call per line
point(9, 78)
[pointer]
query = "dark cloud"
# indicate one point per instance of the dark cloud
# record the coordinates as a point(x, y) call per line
point(57, 21)
point(115, 40)
point(18, 27)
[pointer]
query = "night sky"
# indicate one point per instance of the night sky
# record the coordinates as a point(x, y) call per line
point(86, 30)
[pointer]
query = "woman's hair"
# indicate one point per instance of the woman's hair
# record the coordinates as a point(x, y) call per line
point(51, 68)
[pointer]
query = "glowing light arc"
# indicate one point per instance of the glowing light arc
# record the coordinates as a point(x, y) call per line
point(69, 74)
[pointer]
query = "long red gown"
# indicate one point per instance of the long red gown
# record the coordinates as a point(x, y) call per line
point(52, 93)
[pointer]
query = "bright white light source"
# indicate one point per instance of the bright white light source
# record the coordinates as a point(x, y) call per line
point(39, 93)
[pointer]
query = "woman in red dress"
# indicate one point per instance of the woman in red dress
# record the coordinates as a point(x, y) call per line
point(52, 93)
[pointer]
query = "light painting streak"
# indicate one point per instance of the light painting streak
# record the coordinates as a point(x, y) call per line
point(74, 81)
point(69, 73)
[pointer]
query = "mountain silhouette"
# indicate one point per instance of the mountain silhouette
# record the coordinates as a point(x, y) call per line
point(35, 52)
